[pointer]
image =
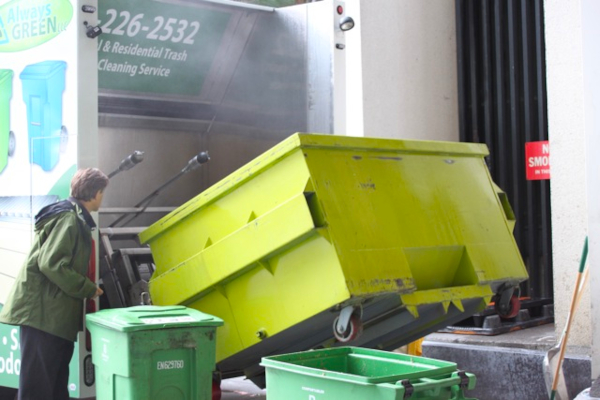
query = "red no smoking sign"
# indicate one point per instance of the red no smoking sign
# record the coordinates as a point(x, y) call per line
point(537, 160)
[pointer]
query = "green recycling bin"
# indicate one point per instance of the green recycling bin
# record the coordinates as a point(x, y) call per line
point(153, 352)
point(354, 373)
point(6, 76)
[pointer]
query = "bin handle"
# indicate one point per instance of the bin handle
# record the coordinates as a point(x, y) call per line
point(459, 378)
point(145, 299)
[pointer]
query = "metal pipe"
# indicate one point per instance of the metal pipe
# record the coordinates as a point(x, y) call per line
point(131, 210)
point(194, 163)
point(129, 162)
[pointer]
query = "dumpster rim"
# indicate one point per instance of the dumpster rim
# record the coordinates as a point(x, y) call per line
point(299, 141)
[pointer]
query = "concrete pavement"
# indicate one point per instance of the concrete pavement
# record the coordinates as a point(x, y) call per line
point(241, 388)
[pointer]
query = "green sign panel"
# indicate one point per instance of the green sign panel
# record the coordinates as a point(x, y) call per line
point(10, 355)
point(10, 360)
point(153, 47)
point(27, 24)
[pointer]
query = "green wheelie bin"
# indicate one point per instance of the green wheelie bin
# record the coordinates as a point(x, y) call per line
point(153, 352)
point(354, 373)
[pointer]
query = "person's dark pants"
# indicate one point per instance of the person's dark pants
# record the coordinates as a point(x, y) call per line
point(45, 361)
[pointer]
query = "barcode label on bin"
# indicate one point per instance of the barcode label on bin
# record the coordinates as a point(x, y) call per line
point(173, 364)
point(167, 320)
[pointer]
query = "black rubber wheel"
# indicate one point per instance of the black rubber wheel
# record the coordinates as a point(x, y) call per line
point(513, 307)
point(352, 332)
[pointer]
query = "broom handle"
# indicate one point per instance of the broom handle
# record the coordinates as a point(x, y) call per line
point(584, 280)
point(574, 302)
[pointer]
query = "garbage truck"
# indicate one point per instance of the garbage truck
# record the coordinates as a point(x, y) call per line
point(174, 79)
point(167, 79)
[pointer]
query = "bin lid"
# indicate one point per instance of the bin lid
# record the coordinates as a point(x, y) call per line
point(152, 317)
point(5, 75)
point(42, 70)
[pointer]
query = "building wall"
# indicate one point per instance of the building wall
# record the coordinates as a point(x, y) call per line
point(409, 81)
point(564, 72)
point(405, 53)
point(591, 83)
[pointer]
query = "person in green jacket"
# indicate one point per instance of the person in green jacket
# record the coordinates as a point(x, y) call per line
point(47, 297)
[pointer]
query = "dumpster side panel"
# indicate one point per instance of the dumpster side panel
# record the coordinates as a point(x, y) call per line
point(228, 337)
point(246, 248)
point(295, 286)
point(360, 214)
point(225, 214)
point(272, 296)
point(433, 218)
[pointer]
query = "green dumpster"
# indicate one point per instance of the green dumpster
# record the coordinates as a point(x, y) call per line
point(6, 76)
point(153, 352)
point(325, 240)
point(352, 373)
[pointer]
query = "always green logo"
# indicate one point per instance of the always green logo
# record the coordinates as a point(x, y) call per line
point(25, 24)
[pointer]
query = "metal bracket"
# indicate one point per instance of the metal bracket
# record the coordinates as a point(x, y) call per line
point(464, 379)
point(145, 298)
point(408, 388)
point(344, 319)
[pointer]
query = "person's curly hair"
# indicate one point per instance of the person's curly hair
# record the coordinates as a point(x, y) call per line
point(87, 182)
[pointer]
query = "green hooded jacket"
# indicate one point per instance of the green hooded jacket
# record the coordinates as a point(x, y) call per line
point(49, 290)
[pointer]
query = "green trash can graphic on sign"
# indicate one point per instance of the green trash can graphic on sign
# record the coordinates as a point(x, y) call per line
point(7, 137)
point(43, 87)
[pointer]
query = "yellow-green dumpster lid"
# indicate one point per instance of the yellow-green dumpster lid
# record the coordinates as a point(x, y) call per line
point(152, 317)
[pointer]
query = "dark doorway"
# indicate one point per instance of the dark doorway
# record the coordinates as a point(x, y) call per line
point(502, 103)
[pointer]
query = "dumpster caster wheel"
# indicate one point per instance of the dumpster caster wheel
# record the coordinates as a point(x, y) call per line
point(12, 143)
point(353, 330)
point(509, 310)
